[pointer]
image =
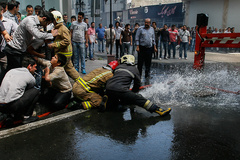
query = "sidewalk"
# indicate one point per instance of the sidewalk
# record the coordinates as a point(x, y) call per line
point(210, 57)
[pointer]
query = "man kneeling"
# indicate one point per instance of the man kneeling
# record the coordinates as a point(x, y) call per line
point(118, 87)
point(17, 93)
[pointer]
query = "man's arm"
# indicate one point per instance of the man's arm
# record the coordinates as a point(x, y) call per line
point(86, 39)
point(34, 30)
point(6, 36)
point(66, 40)
point(137, 38)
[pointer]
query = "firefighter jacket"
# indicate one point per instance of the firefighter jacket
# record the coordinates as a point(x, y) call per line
point(123, 76)
point(90, 86)
point(62, 43)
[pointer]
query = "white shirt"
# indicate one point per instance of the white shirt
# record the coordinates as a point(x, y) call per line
point(14, 84)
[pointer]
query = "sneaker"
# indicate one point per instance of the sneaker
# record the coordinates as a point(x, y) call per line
point(92, 59)
point(83, 71)
point(180, 58)
point(160, 59)
point(30, 119)
point(185, 58)
point(103, 104)
point(163, 112)
point(166, 58)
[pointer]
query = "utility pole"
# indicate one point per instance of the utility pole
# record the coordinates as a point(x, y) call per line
point(111, 27)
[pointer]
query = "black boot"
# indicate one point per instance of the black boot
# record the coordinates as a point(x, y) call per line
point(103, 104)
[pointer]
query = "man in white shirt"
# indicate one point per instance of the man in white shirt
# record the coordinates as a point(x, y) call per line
point(184, 36)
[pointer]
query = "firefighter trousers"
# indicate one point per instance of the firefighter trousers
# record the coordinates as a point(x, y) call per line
point(90, 99)
point(70, 70)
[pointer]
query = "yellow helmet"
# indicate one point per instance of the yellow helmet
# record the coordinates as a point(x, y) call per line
point(128, 59)
point(57, 16)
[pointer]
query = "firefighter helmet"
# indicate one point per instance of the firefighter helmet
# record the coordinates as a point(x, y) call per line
point(112, 65)
point(57, 16)
point(128, 59)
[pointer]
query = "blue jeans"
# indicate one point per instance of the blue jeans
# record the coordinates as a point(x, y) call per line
point(183, 45)
point(192, 49)
point(78, 49)
point(172, 46)
point(91, 49)
point(127, 46)
point(101, 42)
point(165, 47)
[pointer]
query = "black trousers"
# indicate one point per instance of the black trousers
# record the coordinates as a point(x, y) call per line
point(56, 100)
point(145, 57)
point(125, 98)
point(118, 46)
point(24, 105)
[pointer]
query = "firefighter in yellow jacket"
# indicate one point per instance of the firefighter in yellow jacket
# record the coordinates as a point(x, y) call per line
point(62, 44)
point(89, 88)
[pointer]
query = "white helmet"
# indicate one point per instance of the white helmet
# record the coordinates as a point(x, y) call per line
point(57, 16)
point(128, 59)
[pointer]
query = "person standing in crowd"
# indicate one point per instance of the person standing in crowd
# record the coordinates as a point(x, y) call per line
point(4, 6)
point(73, 18)
point(80, 41)
point(184, 37)
point(108, 37)
point(193, 36)
point(29, 10)
point(10, 27)
point(13, 8)
point(91, 40)
point(37, 9)
point(17, 94)
point(19, 17)
point(227, 31)
point(65, 21)
point(164, 41)
point(133, 37)
point(173, 33)
point(100, 37)
point(62, 44)
point(118, 87)
point(118, 31)
point(28, 29)
point(157, 36)
point(126, 39)
point(215, 32)
point(145, 41)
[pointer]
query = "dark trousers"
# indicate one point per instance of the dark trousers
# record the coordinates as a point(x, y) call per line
point(118, 46)
point(56, 100)
point(145, 57)
point(125, 98)
point(165, 47)
point(24, 105)
point(156, 53)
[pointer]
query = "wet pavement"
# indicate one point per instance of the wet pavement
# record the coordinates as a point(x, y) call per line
point(198, 127)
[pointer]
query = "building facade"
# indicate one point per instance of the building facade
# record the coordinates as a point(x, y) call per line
point(222, 13)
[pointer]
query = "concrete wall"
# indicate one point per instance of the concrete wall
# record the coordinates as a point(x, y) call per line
point(215, 10)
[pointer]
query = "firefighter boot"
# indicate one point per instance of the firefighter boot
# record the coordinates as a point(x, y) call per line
point(103, 104)
point(158, 110)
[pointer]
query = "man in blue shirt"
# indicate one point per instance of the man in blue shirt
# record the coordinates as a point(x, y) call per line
point(145, 41)
point(100, 36)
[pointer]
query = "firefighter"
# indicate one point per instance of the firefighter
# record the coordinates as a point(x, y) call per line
point(90, 88)
point(62, 44)
point(117, 88)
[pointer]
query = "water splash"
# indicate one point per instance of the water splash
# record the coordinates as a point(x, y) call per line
point(187, 83)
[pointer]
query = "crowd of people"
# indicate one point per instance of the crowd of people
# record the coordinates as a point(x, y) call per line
point(40, 52)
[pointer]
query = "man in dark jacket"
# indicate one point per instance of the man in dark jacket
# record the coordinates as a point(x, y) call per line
point(117, 87)
point(164, 41)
